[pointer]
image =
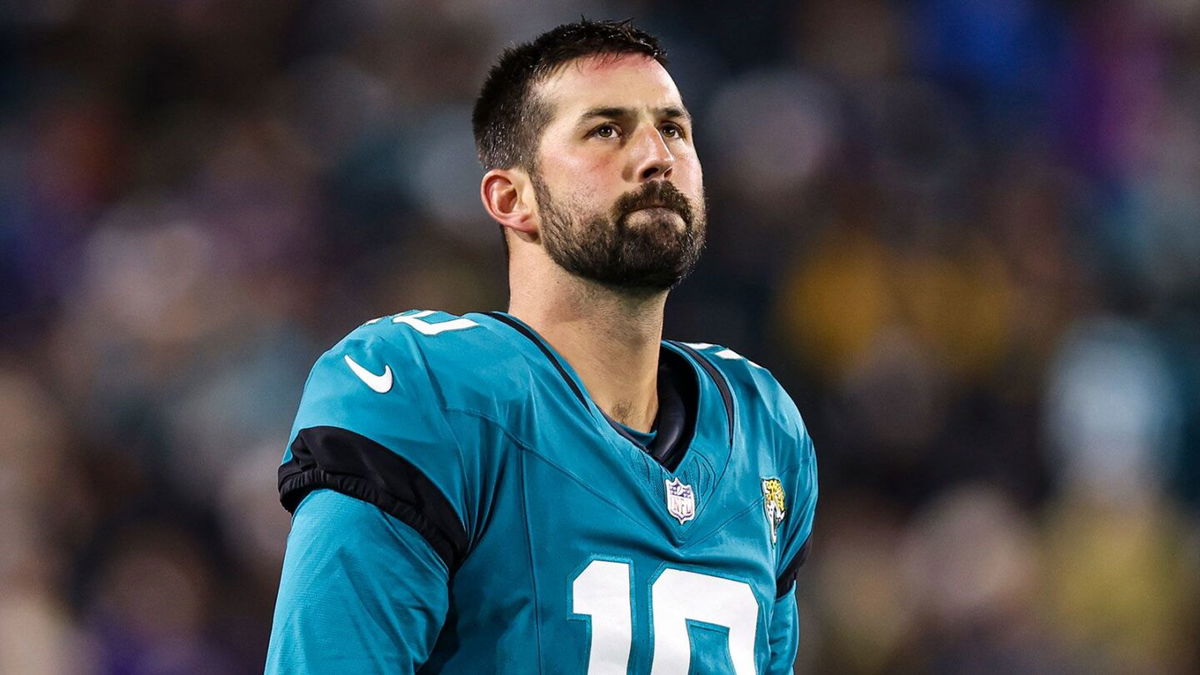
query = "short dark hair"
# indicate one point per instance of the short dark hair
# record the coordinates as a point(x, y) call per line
point(508, 120)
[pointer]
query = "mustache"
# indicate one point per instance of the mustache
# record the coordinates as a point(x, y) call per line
point(657, 193)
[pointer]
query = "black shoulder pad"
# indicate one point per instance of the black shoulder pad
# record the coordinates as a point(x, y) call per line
point(356, 466)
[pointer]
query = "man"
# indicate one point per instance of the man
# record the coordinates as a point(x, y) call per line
point(554, 489)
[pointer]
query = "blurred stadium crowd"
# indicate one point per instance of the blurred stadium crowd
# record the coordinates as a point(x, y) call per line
point(964, 233)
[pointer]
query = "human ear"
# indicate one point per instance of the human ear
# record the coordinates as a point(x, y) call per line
point(506, 198)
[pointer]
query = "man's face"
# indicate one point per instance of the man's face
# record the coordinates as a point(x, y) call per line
point(618, 184)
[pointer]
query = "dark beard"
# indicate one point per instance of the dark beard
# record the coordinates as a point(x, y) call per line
point(654, 256)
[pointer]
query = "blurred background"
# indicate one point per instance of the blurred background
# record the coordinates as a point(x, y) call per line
point(964, 233)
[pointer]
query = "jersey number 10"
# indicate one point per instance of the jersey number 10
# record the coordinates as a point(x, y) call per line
point(602, 591)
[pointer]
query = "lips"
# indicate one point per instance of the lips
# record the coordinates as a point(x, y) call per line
point(663, 210)
point(656, 195)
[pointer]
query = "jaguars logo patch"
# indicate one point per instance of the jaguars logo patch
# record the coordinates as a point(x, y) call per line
point(774, 503)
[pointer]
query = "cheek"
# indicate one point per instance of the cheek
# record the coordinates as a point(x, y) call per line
point(691, 179)
point(596, 169)
point(585, 179)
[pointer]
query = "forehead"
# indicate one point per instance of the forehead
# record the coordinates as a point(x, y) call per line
point(607, 80)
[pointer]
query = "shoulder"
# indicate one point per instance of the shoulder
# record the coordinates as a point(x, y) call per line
point(411, 366)
point(374, 423)
point(416, 336)
point(447, 359)
point(760, 401)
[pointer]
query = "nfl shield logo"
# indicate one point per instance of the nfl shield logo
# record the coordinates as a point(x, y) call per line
point(681, 502)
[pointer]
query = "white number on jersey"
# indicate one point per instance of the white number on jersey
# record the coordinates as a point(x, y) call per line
point(417, 321)
point(602, 591)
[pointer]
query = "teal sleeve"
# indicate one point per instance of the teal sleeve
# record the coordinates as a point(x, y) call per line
point(361, 592)
point(784, 634)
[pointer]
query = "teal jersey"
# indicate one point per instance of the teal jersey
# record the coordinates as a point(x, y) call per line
point(462, 506)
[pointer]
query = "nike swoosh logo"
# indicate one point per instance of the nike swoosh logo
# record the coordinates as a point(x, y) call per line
point(379, 383)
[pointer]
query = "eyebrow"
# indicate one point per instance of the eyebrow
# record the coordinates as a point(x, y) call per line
point(669, 112)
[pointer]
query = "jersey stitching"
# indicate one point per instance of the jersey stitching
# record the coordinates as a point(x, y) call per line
point(537, 623)
point(717, 529)
point(525, 447)
point(599, 423)
point(529, 335)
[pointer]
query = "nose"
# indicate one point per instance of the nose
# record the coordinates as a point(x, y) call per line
point(654, 158)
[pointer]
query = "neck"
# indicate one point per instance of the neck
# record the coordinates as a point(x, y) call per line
point(610, 338)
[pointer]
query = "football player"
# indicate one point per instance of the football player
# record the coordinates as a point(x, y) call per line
point(555, 488)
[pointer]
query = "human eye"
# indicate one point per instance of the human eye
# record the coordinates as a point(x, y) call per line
point(673, 131)
point(606, 130)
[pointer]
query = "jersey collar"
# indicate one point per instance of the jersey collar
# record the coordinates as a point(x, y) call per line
point(678, 394)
